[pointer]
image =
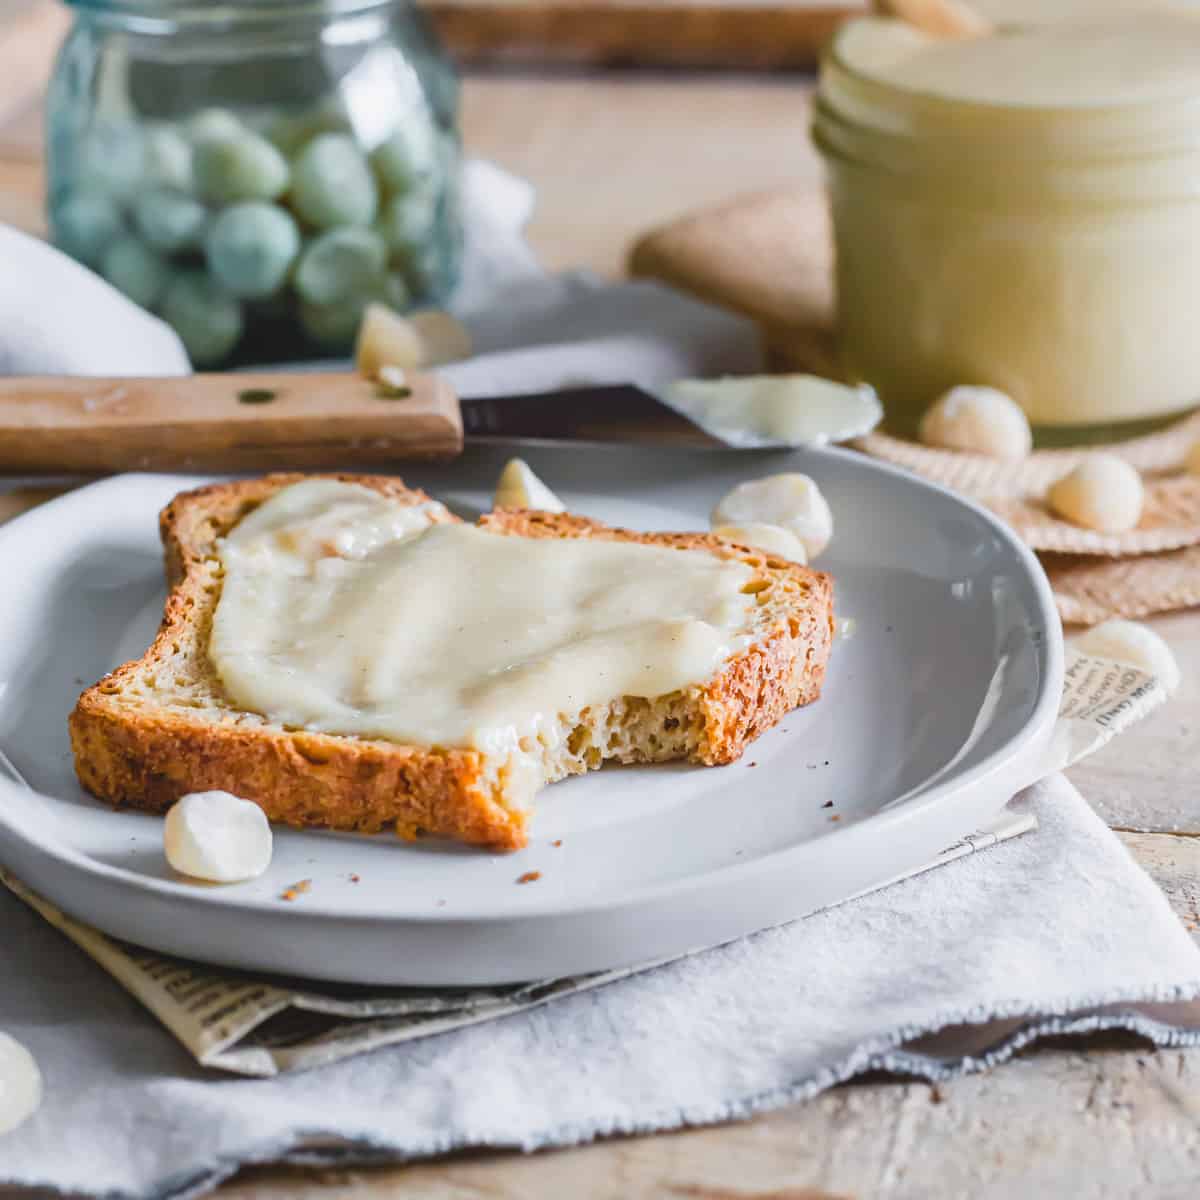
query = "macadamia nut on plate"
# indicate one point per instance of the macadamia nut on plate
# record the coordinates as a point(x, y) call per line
point(790, 500)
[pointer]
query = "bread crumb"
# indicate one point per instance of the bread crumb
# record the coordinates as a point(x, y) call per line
point(835, 817)
point(530, 877)
point(296, 889)
point(354, 877)
point(557, 843)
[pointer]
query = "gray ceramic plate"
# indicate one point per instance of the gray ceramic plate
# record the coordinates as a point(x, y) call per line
point(934, 713)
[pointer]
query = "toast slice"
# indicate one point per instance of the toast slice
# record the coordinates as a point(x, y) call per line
point(160, 727)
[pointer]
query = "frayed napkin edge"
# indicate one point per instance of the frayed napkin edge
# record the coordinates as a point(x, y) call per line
point(882, 1053)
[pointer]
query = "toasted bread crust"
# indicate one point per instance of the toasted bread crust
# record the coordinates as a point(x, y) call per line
point(145, 756)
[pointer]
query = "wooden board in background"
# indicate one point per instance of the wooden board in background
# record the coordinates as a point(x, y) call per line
point(676, 33)
point(688, 33)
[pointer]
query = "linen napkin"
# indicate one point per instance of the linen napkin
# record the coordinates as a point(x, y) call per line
point(1055, 932)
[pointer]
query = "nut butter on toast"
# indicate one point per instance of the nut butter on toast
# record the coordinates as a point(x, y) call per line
point(162, 726)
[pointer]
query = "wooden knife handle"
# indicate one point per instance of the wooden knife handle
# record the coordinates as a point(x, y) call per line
point(221, 422)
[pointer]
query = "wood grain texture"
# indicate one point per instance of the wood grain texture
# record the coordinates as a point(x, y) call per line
point(221, 422)
point(597, 33)
point(1104, 1121)
point(615, 155)
point(1147, 780)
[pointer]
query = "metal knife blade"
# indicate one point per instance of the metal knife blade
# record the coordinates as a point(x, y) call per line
point(593, 413)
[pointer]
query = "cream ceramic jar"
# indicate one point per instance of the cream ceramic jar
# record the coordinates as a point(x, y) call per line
point(1020, 211)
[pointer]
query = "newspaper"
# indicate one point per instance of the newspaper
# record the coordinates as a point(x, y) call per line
point(1101, 699)
point(261, 1026)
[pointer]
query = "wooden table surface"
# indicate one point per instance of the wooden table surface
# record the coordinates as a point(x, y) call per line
point(613, 155)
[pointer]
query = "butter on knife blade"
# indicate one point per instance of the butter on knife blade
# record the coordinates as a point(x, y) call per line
point(750, 412)
point(759, 411)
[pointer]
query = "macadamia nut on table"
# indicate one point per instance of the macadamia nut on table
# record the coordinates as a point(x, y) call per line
point(978, 420)
point(1103, 493)
point(1135, 645)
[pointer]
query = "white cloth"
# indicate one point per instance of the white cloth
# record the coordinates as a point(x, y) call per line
point(1055, 932)
point(57, 318)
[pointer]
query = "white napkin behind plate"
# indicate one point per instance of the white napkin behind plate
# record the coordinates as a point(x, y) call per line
point(57, 318)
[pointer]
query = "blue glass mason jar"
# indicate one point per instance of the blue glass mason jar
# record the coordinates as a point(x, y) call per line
point(256, 171)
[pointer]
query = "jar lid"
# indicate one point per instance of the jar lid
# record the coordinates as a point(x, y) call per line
point(1116, 62)
point(1112, 84)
